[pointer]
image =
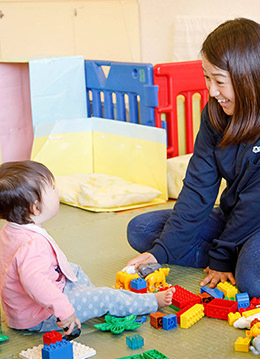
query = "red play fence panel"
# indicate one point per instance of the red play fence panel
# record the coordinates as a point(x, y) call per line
point(174, 79)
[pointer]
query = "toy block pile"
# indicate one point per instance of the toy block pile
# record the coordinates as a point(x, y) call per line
point(223, 302)
point(55, 347)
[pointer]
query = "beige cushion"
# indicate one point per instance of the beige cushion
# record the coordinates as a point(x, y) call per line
point(102, 191)
point(176, 170)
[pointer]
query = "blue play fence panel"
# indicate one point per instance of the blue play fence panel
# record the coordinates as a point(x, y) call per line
point(106, 95)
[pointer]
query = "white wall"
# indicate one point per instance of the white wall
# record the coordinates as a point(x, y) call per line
point(154, 31)
point(173, 30)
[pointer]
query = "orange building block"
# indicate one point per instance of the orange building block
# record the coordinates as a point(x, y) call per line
point(156, 319)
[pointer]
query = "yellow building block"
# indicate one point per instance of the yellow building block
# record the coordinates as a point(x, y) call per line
point(242, 344)
point(233, 317)
point(248, 313)
point(228, 289)
point(254, 331)
point(191, 316)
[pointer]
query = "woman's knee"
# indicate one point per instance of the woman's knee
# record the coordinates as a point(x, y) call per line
point(136, 233)
point(248, 267)
point(142, 230)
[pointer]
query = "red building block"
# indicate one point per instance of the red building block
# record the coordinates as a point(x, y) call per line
point(219, 308)
point(156, 319)
point(52, 337)
point(182, 297)
point(255, 301)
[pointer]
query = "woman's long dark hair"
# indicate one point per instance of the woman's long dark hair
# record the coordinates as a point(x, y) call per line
point(234, 46)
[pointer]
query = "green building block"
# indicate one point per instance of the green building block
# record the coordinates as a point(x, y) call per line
point(136, 356)
point(154, 354)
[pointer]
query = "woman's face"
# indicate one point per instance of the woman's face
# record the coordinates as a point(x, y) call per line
point(219, 84)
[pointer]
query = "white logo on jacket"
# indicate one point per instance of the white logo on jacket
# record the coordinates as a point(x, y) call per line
point(256, 149)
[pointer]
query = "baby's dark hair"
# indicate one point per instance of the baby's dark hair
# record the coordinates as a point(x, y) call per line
point(21, 185)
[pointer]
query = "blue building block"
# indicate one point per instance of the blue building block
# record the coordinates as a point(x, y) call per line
point(138, 283)
point(214, 292)
point(243, 300)
point(135, 341)
point(58, 350)
point(169, 321)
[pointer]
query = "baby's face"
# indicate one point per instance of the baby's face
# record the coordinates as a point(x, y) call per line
point(50, 203)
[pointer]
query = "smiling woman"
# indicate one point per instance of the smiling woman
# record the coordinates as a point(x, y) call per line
point(224, 239)
point(237, 61)
point(220, 87)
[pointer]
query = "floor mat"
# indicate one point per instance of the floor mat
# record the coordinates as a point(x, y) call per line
point(97, 241)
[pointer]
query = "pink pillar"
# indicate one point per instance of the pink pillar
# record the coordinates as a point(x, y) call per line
point(16, 130)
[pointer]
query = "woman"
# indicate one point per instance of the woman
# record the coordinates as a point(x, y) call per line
point(226, 239)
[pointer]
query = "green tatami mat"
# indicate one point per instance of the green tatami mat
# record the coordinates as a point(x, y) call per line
point(97, 241)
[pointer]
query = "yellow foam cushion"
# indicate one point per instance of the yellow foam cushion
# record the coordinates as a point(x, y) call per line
point(102, 191)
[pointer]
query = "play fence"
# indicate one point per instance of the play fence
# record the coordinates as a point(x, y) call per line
point(141, 93)
point(168, 96)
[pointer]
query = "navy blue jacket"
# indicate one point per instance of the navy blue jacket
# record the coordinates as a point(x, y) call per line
point(240, 201)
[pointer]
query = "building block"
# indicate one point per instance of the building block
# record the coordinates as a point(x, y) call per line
point(205, 297)
point(150, 354)
point(214, 292)
point(182, 297)
point(80, 351)
point(138, 285)
point(228, 289)
point(254, 330)
point(156, 319)
point(242, 344)
point(233, 317)
point(191, 316)
point(175, 308)
point(243, 300)
point(135, 341)
point(154, 354)
point(255, 301)
point(242, 310)
point(58, 350)
point(219, 308)
point(169, 322)
point(254, 321)
point(183, 310)
point(248, 313)
point(52, 337)
point(136, 356)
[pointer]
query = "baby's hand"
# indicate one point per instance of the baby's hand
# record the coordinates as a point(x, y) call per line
point(143, 258)
point(214, 277)
point(69, 323)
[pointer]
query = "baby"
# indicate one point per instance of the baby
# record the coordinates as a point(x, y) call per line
point(38, 285)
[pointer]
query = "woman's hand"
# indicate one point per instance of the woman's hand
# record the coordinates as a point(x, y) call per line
point(69, 323)
point(143, 258)
point(214, 277)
